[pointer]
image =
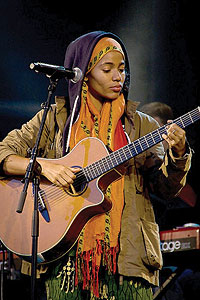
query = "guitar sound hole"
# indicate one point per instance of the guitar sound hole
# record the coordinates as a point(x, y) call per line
point(79, 186)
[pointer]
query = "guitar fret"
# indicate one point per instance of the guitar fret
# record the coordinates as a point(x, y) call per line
point(123, 153)
point(144, 141)
point(117, 154)
point(152, 137)
point(183, 125)
point(128, 152)
point(149, 139)
point(186, 122)
point(100, 166)
point(156, 136)
point(87, 175)
point(111, 163)
point(92, 171)
point(196, 116)
point(128, 148)
point(140, 143)
point(105, 162)
point(160, 134)
point(163, 130)
point(135, 150)
point(190, 117)
point(112, 155)
point(98, 169)
point(118, 157)
point(95, 168)
point(137, 146)
point(103, 166)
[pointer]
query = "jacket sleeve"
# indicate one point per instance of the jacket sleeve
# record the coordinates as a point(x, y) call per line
point(166, 179)
point(21, 141)
point(164, 174)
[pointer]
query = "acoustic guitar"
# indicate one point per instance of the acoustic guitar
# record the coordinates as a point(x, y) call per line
point(64, 212)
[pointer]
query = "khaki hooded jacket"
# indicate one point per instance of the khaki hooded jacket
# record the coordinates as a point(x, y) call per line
point(152, 170)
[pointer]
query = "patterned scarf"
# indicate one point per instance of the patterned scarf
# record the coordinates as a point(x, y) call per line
point(100, 245)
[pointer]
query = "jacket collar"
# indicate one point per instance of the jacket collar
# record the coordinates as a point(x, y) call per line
point(130, 110)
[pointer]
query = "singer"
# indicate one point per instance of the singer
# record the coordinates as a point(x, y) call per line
point(117, 255)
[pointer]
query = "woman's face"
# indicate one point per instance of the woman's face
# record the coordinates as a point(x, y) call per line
point(106, 79)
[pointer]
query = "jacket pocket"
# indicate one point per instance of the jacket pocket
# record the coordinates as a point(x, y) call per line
point(152, 255)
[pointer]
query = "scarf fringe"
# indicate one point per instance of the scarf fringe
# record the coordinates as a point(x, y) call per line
point(87, 269)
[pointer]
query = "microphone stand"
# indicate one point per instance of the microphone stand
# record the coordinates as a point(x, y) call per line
point(33, 172)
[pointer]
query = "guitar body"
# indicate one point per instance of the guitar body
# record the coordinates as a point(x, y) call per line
point(67, 213)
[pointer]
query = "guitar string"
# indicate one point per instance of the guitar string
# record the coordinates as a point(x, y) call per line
point(56, 198)
point(185, 121)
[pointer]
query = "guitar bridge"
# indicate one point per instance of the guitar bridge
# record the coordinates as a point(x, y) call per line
point(42, 206)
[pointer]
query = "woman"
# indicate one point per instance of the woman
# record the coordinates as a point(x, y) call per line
point(117, 255)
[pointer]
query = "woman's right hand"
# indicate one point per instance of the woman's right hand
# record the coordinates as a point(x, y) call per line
point(58, 174)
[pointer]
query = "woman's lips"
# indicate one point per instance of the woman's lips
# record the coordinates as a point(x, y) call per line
point(116, 88)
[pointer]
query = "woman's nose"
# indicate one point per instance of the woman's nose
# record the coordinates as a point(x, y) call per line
point(117, 75)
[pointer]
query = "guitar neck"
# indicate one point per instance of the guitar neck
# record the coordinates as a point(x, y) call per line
point(140, 145)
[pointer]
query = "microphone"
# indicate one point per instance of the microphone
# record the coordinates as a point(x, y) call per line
point(57, 72)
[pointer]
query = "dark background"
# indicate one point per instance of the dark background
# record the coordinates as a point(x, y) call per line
point(161, 38)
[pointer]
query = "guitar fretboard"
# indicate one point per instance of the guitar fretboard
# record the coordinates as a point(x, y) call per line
point(127, 152)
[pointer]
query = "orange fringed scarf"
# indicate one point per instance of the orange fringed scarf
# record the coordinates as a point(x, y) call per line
point(98, 242)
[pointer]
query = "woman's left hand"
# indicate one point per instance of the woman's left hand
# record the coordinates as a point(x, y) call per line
point(175, 137)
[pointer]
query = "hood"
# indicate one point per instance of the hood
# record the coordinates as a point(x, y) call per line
point(78, 54)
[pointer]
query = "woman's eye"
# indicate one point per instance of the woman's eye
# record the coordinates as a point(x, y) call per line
point(106, 70)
